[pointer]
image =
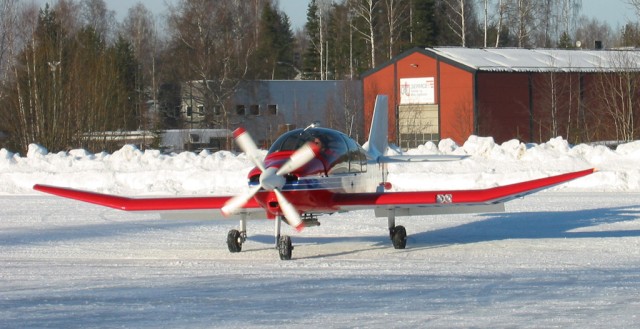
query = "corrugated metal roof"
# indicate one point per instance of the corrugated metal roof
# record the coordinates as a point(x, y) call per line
point(542, 60)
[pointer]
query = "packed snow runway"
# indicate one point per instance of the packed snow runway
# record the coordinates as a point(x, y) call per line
point(555, 259)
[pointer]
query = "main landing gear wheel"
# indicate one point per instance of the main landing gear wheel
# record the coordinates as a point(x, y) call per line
point(285, 247)
point(398, 237)
point(234, 241)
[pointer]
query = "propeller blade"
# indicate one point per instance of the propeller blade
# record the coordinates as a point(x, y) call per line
point(299, 158)
point(289, 211)
point(248, 146)
point(235, 203)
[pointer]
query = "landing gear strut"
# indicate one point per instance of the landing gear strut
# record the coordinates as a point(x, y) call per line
point(398, 234)
point(235, 238)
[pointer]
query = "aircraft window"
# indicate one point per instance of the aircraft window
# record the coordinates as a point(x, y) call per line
point(357, 157)
point(336, 153)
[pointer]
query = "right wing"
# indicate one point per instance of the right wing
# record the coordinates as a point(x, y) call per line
point(448, 202)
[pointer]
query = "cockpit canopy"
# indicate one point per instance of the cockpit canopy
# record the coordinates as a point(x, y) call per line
point(338, 152)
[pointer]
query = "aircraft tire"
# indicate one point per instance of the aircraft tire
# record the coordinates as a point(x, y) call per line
point(234, 241)
point(285, 248)
point(399, 237)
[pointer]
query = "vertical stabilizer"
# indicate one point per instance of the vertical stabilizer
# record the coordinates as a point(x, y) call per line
point(378, 136)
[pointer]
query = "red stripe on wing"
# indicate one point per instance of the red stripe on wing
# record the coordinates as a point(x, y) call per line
point(141, 204)
point(426, 198)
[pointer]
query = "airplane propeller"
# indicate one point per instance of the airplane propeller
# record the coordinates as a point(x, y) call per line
point(271, 178)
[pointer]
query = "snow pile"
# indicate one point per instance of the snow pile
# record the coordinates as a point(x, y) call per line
point(130, 171)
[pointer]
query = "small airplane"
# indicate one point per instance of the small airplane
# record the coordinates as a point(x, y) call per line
point(314, 171)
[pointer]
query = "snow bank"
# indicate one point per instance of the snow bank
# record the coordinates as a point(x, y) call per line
point(130, 171)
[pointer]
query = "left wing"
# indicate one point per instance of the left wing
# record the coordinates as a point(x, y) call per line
point(177, 205)
point(448, 202)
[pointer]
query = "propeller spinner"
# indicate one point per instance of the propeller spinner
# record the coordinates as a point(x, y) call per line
point(271, 178)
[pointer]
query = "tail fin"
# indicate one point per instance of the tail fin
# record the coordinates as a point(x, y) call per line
point(379, 139)
point(378, 136)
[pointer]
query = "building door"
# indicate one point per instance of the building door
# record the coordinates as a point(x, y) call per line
point(418, 124)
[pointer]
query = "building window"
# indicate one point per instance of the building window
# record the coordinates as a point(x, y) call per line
point(201, 109)
point(272, 109)
point(217, 109)
point(189, 111)
point(254, 109)
point(240, 110)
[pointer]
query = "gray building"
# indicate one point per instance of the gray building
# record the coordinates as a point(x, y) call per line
point(266, 108)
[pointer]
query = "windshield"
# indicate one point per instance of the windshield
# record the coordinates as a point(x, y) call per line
point(338, 152)
point(294, 139)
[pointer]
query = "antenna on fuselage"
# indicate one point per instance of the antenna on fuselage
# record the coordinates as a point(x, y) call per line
point(314, 124)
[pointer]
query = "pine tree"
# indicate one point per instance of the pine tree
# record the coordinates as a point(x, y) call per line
point(424, 27)
point(565, 41)
point(312, 57)
point(273, 58)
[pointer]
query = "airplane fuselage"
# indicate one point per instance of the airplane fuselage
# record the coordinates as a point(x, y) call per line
point(341, 166)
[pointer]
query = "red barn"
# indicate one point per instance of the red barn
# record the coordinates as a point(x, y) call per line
point(506, 93)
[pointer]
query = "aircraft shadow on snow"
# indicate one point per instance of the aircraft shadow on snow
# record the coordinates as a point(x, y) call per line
point(101, 230)
point(488, 227)
point(533, 225)
point(501, 226)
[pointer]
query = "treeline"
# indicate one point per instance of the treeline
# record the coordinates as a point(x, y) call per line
point(69, 70)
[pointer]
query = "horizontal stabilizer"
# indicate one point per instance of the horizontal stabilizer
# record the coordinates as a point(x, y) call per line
point(420, 158)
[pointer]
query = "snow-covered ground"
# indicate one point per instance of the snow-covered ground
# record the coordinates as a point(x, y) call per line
point(567, 257)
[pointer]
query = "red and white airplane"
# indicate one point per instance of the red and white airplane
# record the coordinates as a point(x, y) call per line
point(314, 171)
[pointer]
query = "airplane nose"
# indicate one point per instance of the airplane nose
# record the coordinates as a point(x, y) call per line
point(270, 180)
point(273, 206)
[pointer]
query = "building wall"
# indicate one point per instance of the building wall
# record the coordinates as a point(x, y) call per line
point(503, 106)
point(556, 106)
point(386, 80)
point(268, 108)
point(457, 105)
point(382, 82)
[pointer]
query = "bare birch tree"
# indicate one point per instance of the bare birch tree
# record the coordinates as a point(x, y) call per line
point(214, 40)
point(522, 19)
point(366, 11)
point(620, 99)
point(456, 12)
point(501, 11)
point(96, 15)
point(396, 15)
point(8, 42)
point(139, 28)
